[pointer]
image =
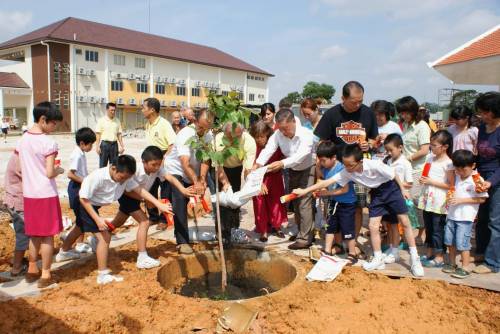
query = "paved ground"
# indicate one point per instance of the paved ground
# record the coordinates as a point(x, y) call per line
point(205, 228)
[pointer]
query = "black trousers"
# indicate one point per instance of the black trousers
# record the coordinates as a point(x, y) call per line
point(179, 207)
point(230, 218)
point(109, 152)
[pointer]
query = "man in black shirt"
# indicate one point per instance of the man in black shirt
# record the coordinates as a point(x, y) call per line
point(350, 122)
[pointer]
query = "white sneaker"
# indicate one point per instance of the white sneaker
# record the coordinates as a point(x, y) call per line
point(108, 278)
point(66, 256)
point(377, 263)
point(416, 267)
point(82, 247)
point(92, 241)
point(147, 262)
point(390, 258)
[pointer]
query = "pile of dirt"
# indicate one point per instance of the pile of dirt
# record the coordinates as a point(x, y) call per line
point(356, 302)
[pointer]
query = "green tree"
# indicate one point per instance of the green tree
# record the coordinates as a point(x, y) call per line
point(222, 110)
point(295, 97)
point(464, 97)
point(315, 90)
point(431, 107)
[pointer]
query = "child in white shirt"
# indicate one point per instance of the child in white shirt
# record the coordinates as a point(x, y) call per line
point(463, 208)
point(100, 188)
point(387, 197)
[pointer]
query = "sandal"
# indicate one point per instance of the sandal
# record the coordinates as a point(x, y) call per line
point(280, 234)
point(32, 277)
point(263, 239)
point(433, 264)
point(21, 272)
point(352, 258)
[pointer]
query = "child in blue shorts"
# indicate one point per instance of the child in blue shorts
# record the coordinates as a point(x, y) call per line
point(386, 192)
point(342, 205)
point(462, 210)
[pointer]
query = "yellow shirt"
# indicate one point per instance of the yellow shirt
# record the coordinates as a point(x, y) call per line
point(414, 136)
point(247, 143)
point(433, 125)
point(160, 133)
point(108, 128)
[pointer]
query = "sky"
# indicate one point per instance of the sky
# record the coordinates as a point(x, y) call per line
point(384, 44)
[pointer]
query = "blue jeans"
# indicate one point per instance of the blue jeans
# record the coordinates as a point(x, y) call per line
point(492, 255)
point(457, 233)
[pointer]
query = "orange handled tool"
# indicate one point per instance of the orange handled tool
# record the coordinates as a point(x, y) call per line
point(426, 170)
point(205, 205)
point(288, 198)
point(168, 216)
point(57, 163)
point(111, 227)
point(478, 182)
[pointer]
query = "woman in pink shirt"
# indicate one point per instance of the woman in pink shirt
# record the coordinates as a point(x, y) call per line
point(464, 135)
point(42, 211)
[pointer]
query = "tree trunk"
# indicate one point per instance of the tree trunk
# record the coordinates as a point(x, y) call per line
point(219, 230)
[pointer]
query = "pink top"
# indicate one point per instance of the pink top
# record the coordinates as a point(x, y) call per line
point(33, 149)
point(465, 140)
point(13, 197)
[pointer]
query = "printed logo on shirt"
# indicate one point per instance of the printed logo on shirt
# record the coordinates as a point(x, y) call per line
point(350, 131)
point(156, 134)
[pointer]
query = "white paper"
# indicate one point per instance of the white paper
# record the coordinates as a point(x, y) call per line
point(326, 269)
point(253, 183)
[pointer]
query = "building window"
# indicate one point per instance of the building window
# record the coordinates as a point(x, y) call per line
point(225, 93)
point(160, 89)
point(195, 91)
point(78, 51)
point(240, 96)
point(251, 97)
point(142, 87)
point(213, 91)
point(57, 72)
point(181, 90)
point(66, 100)
point(140, 62)
point(92, 56)
point(119, 60)
point(117, 85)
point(65, 74)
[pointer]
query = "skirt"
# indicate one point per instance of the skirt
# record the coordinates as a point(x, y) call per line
point(42, 216)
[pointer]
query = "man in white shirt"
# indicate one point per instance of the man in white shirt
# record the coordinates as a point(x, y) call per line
point(296, 144)
point(182, 163)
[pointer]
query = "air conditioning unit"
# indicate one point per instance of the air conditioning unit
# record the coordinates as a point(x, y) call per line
point(197, 83)
point(240, 89)
point(212, 85)
point(159, 79)
point(82, 99)
point(198, 105)
point(102, 100)
point(119, 100)
point(173, 103)
point(163, 103)
point(181, 82)
point(166, 80)
point(131, 76)
point(144, 77)
point(217, 85)
point(172, 80)
point(206, 84)
point(132, 102)
point(91, 72)
point(81, 71)
point(183, 103)
point(118, 76)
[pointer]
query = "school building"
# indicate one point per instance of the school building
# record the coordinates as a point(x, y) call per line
point(81, 65)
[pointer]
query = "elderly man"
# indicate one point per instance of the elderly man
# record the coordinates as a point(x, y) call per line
point(231, 172)
point(296, 144)
point(187, 116)
point(181, 162)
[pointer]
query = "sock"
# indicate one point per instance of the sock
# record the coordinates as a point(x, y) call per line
point(377, 254)
point(141, 255)
point(103, 272)
point(395, 252)
point(413, 252)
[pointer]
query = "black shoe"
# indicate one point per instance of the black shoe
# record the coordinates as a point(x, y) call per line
point(292, 238)
point(263, 239)
point(299, 245)
point(280, 234)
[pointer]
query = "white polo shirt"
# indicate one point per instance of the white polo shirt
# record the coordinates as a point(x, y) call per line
point(100, 189)
point(402, 168)
point(465, 189)
point(374, 173)
point(172, 162)
point(78, 162)
point(146, 180)
point(298, 150)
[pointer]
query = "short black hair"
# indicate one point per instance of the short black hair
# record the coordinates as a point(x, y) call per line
point(489, 101)
point(284, 114)
point(463, 158)
point(352, 150)
point(151, 153)
point(395, 139)
point(265, 107)
point(383, 107)
point(285, 103)
point(110, 104)
point(461, 112)
point(326, 149)
point(409, 104)
point(48, 110)
point(125, 164)
point(152, 102)
point(346, 89)
point(85, 135)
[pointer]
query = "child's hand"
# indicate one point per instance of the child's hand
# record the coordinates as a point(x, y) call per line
point(264, 190)
point(164, 207)
point(101, 224)
point(454, 201)
point(299, 192)
point(425, 180)
point(189, 191)
point(484, 186)
point(406, 194)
